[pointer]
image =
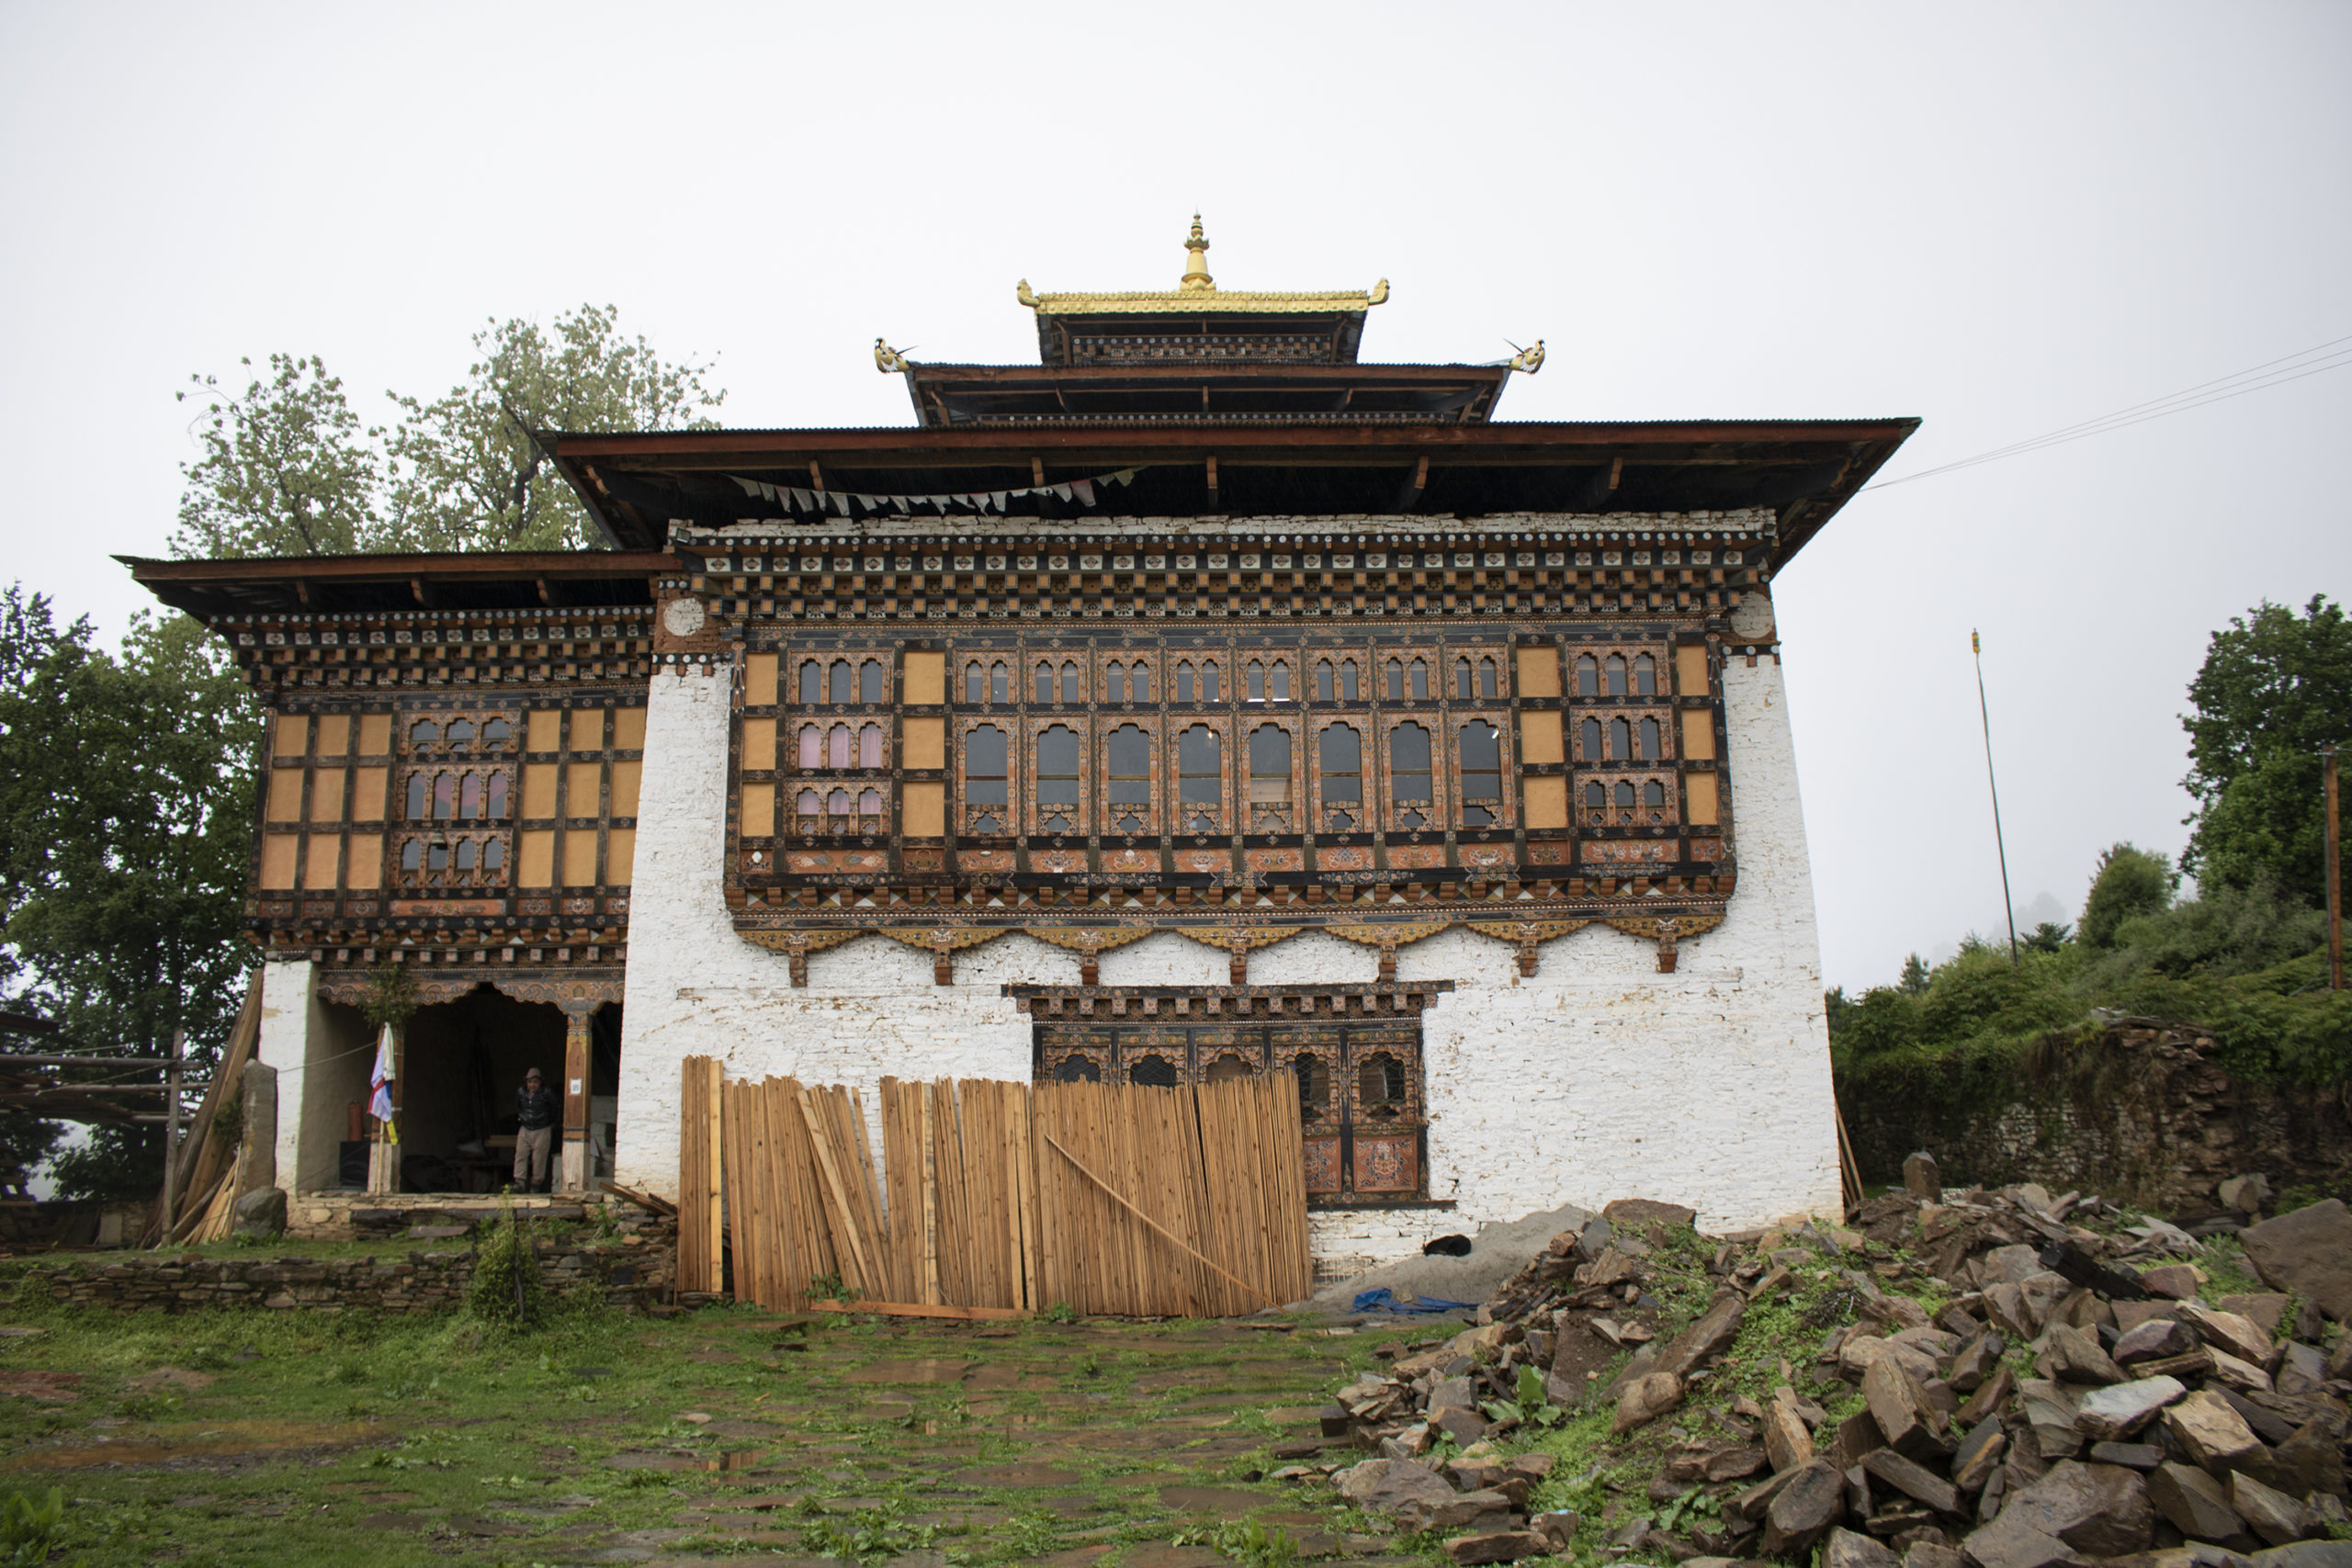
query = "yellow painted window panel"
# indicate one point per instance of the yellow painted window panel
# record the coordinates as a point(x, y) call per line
point(291, 735)
point(588, 729)
point(1699, 790)
point(1547, 802)
point(583, 790)
point(759, 681)
point(335, 734)
point(1539, 673)
point(285, 795)
point(1539, 738)
point(926, 678)
point(539, 790)
point(375, 734)
point(317, 867)
point(326, 796)
point(1698, 735)
point(363, 867)
point(580, 857)
point(759, 745)
point(535, 864)
point(629, 729)
point(277, 859)
point(925, 742)
point(759, 811)
point(1691, 670)
point(546, 730)
point(924, 815)
point(620, 855)
point(626, 776)
point(367, 794)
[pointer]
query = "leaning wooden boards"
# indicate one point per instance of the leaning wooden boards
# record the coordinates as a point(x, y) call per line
point(996, 1196)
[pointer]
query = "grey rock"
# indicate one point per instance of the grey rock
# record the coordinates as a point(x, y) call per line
point(2101, 1510)
point(2307, 1554)
point(2010, 1541)
point(1473, 1512)
point(1496, 1546)
point(2108, 1414)
point(2155, 1338)
point(2309, 1461)
point(1813, 1500)
point(1922, 1178)
point(2141, 1457)
point(2073, 1356)
point(1910, 1424)
point(1913, 1480)
point(1644, 1400)
point(2211, 1433)
point(1706, 1338)
point(1384, 1485)
point(2277, 1518)
point(1844, 1549)
point(1453, 1391)
point(2302, 1370)
point(1928, 1554)
point(259, 1214)
point(2194, 1502)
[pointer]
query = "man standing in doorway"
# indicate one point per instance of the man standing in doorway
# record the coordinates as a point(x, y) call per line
point(534, 1113)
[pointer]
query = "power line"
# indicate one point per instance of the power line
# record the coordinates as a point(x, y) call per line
point(2332, 355)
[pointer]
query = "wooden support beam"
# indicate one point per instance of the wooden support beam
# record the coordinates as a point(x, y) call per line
point(1410, 496)
point(1213, 496)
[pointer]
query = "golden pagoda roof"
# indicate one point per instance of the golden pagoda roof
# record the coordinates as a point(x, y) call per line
point(1198, 294)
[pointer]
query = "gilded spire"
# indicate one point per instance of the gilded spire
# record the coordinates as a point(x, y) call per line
point(1196, 262)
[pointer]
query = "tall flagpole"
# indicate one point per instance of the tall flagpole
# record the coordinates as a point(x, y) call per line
point(1985, 714)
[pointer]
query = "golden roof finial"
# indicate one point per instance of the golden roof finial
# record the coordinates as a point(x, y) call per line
point(1196, 262)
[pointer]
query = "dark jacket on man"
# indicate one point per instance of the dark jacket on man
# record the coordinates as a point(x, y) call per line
point(536, 1109)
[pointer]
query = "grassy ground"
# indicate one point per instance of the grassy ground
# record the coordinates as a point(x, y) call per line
point(291, 1438)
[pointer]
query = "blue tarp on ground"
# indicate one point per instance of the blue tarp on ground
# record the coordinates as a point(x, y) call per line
point(1385, 1300)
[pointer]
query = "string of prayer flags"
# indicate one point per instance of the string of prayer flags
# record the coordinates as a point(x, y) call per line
point(839, 503)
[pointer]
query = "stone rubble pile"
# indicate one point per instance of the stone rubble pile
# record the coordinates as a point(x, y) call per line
point(2073, 1400)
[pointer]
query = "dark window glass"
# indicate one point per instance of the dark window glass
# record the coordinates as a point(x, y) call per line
point(498, 794)
point(1073, 689)
point(1045, 683)
point(437, 857)
point(1649, 740)
point(496, 732)
point(1596, 797)
point(1347, 690)
point(1127, 753)
point(1270, 767)
point(1652, 794)
point(461, 732)
point(1078, 1069)
point(445, 795)
point(984, 772)
point(1587, 677)
point(1314, 1086)
point(1421, 681)
point(999, 683)
point(1228, 1066)
point(1184, 682)
point(1645, 676)
point(843, 690)
point(1114, 684)
point(1058, 788)
point(1408, 773)
point(1380, 1085)
point(1465, 687)
point(424, 733)
point(412, 856)
point(1139, 682)
point(1278, 683)
point(1208, 683)
point(1624, 797)
point(1486, 687)
point(1621, 741)
point(1257, 673)
point(1339, 761)
point(417, 791)
point(470, 796)
point(1482, 776)
point(873, 681)
point(1395, 681)
point(1153, 1072)
point(493, 856)
point(1615, 672)
point(812, 683)
point(1323, 686)
point(467, 854)
point(1198, 766)
point(975, 686)
point(1588, 734)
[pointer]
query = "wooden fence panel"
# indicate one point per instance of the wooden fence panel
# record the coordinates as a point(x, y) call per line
point(700, 1194)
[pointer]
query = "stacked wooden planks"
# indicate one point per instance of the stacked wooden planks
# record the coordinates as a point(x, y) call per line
point(994, 1196)
point(701, 1264)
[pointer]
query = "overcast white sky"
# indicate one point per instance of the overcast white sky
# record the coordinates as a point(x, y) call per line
point(2004, 218)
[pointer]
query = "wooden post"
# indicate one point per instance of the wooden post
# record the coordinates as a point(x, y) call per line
point(574, 1173)
point(172, 1128)
point(2335, 877)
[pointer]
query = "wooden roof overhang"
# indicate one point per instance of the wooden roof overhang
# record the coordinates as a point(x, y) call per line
point(330, 584)
point(1803, 470)
point(949, 395)
point(1067, 333)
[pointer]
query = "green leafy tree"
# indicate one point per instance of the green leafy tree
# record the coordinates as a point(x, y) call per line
point(1914, 978)
point(286, 468)
point(2129, 881)
point(2274, 687)
point(126, 810)
point(469, 470)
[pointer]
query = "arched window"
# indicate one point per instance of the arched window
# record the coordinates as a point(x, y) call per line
point(1045, 683)
point(1153, 1072)
point(869, 803)
point(1595, 798)
point(1078, 1069)
point(1208, 683)
point(837, 807)
point(812, 745)
point(838, 742)
point(417, 795)
point(1482, 774)
point(1140, 683)
point(1349, 691)
point(1487, 682)
point(497, 732)
point(1127, 753)
point(1589, 739)
point(1421, 673)
point(1314, 1076)
point(869, 746)
point(1621, 741)
point(1395, 681)
point(1114, 682)
point(1059, 787)
point(1256, 674)
point(1228, 1066)
point(1408, 774)
point(1464, 683)
point(413, 855)
point(1380, 1086)
point(1278, 682)
point(445, 795)
point(1654, 795)
point(1339, 765)
point(425, 732)
point(809, 808)
point(437, 857)
point(461, 732)
point(1270, 780)
point(999, 685)
point(1614, 672)
point(1323, 685)
point(1625, 795)
point(812, 683)
point(1185, 682)
point(1073, 686)
point(975, 683)
point(1648, 752)
point(470, 796)
point(1645, 676)
point(493, 857)
point(469, 854)
point(497, 797)
point(1587, 677)
point(1200, 782)
point(985, 779)
point(843, 689)
point(873, 681)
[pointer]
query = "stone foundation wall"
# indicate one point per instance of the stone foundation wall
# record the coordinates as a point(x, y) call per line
point(2139, 1113)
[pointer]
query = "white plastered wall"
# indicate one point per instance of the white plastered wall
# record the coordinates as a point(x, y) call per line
point(323, 1062)
point(1596, 1078)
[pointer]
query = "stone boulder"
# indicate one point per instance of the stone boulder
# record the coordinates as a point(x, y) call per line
point(2195, 1504)
point(1385, 1485)
point(1811, 1501)
point(2307, 1252)
point(1707, 1338)
point(1625, 1214)
point(2107, 1415)
point(1644, 1400)
point(260, 1214)
point(2100, 1510)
